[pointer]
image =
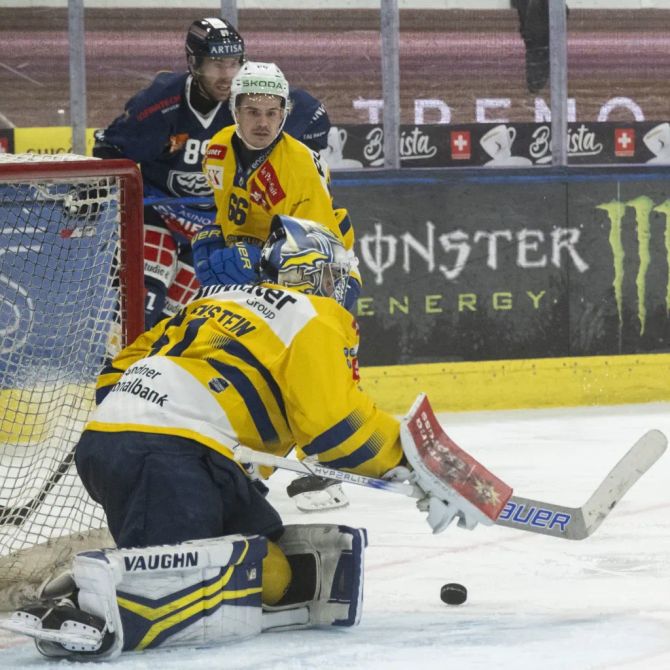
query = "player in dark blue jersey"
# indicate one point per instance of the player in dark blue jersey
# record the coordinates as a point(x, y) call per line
point(166, 128)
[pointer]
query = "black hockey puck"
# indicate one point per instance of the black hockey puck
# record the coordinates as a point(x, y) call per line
point(454, 594)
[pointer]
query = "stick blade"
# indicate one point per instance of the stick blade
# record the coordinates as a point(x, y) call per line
point(578, 523)
point(635, 462)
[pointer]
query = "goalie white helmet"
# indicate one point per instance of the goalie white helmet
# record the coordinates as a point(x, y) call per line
point(306, 256)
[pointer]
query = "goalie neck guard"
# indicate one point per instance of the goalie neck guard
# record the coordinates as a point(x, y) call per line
point(306, 256)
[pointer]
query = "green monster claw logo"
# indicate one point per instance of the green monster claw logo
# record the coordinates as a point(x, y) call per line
point(643, 206)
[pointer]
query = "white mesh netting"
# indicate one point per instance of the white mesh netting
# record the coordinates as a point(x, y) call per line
point(60, 318)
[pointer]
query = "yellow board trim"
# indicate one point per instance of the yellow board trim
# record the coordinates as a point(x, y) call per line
point(30, 415)
point(516, 384)
point(457, 387)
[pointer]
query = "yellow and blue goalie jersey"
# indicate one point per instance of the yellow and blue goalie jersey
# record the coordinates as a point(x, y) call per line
point(291, 180)
point(257, 365)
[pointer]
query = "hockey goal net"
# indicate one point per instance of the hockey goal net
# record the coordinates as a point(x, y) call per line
point(71, 294)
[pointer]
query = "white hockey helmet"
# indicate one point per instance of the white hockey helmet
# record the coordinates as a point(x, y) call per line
point(255, 78)
point(259, 79)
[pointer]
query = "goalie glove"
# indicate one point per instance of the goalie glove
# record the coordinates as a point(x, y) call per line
point(440, 512)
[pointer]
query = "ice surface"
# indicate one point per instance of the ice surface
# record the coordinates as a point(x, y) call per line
point(534, 602)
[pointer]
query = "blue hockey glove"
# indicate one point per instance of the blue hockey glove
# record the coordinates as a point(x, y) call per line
point(203, 244)
point(235, 265)
point(215, 263)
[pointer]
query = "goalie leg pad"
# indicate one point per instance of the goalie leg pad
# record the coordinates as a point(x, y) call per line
point(203, 592)
point(327, 584)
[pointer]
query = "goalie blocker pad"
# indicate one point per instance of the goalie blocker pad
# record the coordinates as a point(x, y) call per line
point(448, 474)
point(327, 585)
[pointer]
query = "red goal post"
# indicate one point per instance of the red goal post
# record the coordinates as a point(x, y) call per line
point(71, 294)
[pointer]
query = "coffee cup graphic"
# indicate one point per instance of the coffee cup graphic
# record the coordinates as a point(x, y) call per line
point(658, 142)
point(497, 143)
point(334, 152)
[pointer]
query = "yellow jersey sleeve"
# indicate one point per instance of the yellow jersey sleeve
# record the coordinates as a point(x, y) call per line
point(330, 417)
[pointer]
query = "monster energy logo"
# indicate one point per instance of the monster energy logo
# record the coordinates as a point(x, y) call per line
point(643, 206)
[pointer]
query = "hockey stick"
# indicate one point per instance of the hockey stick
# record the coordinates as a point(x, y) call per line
point(578, 523)
point(535, 516)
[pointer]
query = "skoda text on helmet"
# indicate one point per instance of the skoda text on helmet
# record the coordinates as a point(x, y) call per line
point(306, 256)
point(259, 79)
point(212, 38)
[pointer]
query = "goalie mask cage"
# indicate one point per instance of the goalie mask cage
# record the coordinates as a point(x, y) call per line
point(71, 294)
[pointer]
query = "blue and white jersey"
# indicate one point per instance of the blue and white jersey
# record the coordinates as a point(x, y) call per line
point(168, 137)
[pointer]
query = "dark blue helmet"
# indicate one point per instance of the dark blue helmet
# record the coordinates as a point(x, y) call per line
point(212, 38)
point(306, 256)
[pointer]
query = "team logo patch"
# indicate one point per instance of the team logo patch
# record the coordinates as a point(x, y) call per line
point(256, 194)
point(218, 384)
point(188, 184)
point(215, 176)
point(268, 177)
point(217, 151)
point(177, 142)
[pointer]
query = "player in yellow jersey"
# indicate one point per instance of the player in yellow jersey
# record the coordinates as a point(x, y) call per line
point(202, 557)
point(256, 172)
point(264, 365)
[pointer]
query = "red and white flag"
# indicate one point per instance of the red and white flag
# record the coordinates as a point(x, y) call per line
point(624, 142)
point(461, 145)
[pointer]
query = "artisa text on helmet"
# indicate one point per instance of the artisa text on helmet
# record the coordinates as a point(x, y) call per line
point(222, 50)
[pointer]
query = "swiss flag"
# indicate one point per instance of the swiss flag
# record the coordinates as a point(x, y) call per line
point(624, 142)
point(461, 145)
